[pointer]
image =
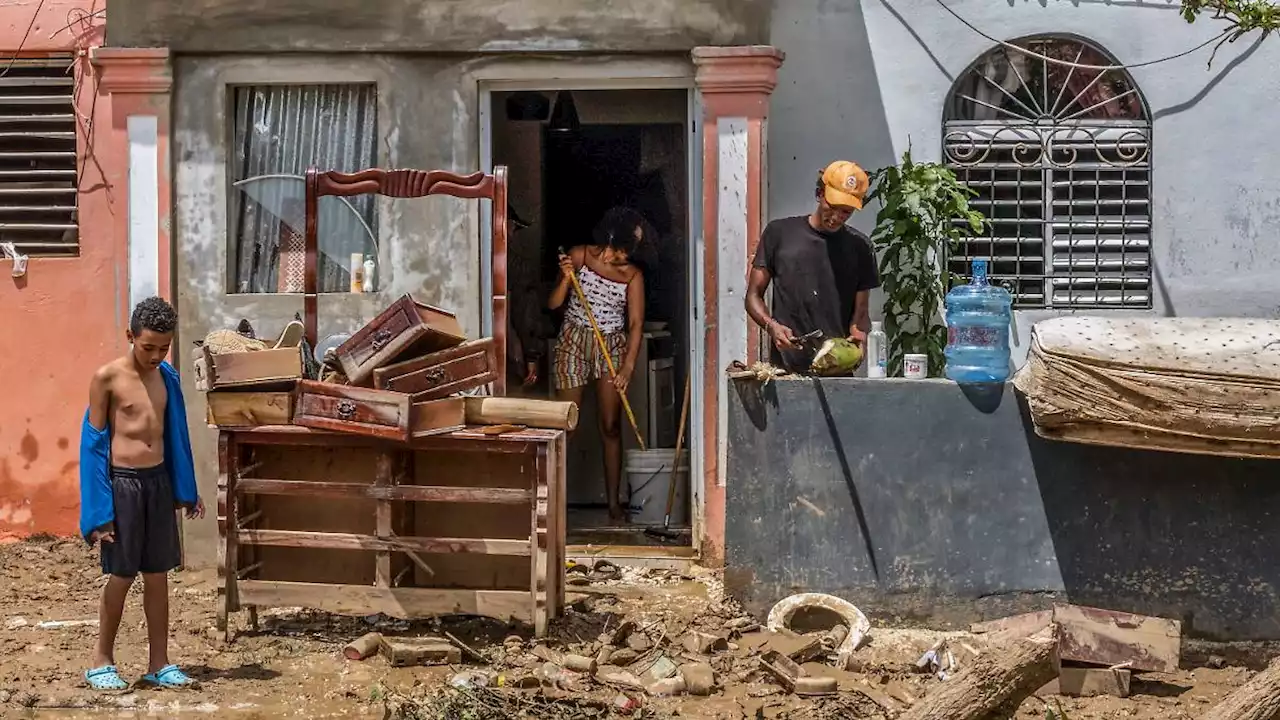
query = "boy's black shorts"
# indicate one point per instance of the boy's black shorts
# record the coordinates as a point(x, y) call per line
point(146, 524)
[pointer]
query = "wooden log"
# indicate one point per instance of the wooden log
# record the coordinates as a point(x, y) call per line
point(993, 681)
point(1258, 699)
point(522, 411)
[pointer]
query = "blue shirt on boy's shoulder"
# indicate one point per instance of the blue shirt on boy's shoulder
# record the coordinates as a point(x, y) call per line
point(97, 507)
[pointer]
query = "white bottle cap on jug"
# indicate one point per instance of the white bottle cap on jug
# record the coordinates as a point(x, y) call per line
point(875, 325)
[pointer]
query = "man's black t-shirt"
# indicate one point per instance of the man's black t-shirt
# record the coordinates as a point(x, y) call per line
point(815, 278)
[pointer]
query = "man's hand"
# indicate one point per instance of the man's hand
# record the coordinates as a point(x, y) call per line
point(623, 378)
point(782, 336)
point(857, 337)
point(107, 534)
point(196, 511)
point(531, 373)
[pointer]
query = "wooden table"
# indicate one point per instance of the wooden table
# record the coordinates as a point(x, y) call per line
point(463, 523)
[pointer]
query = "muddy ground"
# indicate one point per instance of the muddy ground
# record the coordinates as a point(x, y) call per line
point(293, 666)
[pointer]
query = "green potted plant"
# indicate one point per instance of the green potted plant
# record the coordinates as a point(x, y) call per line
point(924, 214)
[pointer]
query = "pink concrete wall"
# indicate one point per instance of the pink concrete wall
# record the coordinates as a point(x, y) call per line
point(67, 316)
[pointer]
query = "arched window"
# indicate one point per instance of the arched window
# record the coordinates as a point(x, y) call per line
point(1061, 159)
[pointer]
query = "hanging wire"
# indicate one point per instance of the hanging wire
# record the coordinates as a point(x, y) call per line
point(25, 36)
point(1068, 63)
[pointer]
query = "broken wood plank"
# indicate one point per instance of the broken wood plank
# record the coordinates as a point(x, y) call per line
point(1258, 699)
point(351, 541)
point(1014, 627)
point(991, 682)
point(1106, 637)
point(414, 493)
point(403, 603)
point(1089, 682)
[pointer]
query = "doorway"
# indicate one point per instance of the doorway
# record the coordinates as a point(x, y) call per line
point(571, 156)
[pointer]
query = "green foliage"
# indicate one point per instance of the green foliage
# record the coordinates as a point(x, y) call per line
point(916, 231)
point(1242, 17)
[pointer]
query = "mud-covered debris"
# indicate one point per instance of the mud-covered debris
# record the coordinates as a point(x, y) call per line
point(699, 678)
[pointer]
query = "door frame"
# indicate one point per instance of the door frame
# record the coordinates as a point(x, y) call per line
point(605, 77)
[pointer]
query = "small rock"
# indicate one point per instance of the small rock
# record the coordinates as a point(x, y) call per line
point(699, 678)
point(5, 695)
point(701, 643)
point(1216, 662)
point(622, 633)
point(27, 699)
point(623, 657)
point(16, 622)
point(738, 623)
point(669, 686)
point(639, 642)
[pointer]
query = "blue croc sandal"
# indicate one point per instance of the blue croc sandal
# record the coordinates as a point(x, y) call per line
point(105, 678)
point(168, 677)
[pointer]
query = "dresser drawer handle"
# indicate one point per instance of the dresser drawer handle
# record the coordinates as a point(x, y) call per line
point(434, 376)
point(346, 409)
point(381, 338)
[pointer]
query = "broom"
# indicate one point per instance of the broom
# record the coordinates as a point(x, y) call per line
point(666, 533)
point(604, 350)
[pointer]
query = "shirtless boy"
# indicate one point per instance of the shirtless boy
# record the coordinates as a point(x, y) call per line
point(135, 472)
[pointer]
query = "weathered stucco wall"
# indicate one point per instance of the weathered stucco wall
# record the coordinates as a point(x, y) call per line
point(68, 315)
point(865, 79)
point(430, 247)
point(914, 502)
point(436, 26)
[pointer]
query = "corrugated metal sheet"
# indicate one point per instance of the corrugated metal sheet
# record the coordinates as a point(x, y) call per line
point(285, 129)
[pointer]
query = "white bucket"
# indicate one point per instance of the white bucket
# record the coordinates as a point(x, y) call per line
point(648, 478)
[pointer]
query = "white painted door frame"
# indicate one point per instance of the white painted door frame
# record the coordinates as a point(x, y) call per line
point(694, 232)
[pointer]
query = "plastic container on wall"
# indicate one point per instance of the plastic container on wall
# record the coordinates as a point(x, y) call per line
point(978, 317)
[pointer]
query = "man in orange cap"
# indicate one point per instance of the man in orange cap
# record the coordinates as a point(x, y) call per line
point(822, 272)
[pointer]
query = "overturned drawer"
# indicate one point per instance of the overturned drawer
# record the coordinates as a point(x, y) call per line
point(214, 371)
point(438, 417)
point(441, 374)
point(242, 409)
point(405, 329)
point(360, 411)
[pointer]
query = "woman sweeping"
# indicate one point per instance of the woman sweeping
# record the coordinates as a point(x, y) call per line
point(614, 287)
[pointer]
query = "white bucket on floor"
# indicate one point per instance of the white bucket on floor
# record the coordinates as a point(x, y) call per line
point(649, 474)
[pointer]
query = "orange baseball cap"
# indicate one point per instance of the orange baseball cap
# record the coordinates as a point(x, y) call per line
point(846, 184)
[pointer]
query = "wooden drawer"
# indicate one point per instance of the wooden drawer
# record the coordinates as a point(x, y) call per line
point(215, 371)
point(249, 409)
point(441, 374)
point(361, 411)
point(437, 417)
point(406, 329)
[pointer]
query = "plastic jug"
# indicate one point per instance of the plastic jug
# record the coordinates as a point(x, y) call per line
point(978, 317)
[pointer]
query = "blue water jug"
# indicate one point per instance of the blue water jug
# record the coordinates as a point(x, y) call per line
point(978, 317)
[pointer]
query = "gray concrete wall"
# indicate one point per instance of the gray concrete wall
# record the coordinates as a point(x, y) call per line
point(864, 78)
point(462, 26)
point(916, 502)
point(427, 118)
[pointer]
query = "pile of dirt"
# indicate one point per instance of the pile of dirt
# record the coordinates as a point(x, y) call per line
point(293, 665)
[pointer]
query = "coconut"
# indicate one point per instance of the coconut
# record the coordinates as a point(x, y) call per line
point(837, 356)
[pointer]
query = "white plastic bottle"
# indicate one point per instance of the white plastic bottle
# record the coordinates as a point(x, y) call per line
point(368, 274)
point(877, 351)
